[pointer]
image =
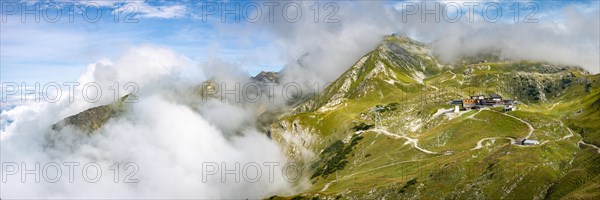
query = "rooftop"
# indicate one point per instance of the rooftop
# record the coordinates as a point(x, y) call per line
point(492, 95)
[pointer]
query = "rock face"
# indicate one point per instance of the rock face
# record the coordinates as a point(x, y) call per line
point(267, 77)
point(92, 119)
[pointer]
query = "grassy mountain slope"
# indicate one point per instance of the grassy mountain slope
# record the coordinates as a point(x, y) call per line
point(382, 130)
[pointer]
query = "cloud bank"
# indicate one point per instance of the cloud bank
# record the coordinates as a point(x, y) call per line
point(568, 35)
point(320, 52)
point(170, 135)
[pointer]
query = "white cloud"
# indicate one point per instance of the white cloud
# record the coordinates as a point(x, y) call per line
point(157, 11)
point(169, 134)
point(570, 38)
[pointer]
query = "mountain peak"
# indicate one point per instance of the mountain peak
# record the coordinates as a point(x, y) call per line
point(397, 61)
point(267, 76)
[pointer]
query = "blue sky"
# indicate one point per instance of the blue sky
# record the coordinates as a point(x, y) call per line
point(60, 51)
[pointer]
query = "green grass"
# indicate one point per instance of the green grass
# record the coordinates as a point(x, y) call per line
point(463, 134)
point(379, 166)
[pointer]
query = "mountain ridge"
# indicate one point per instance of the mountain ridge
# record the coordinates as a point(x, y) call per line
point(371, 132)
point(388, 116)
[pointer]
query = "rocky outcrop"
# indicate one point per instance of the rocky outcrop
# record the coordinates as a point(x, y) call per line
point(267, 77)
point(92, 119)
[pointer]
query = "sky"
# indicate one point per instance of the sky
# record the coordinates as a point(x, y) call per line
point(168, 48)
point(59, 50)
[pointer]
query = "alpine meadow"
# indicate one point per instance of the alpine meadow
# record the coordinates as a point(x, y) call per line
point(441, 99)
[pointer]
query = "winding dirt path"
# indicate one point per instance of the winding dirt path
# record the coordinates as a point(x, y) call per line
point(327, 185)
point(531, 129)
point(453, 75)
point(512, 141)
point(414, 142)
point(480, 143)
point(435, 88)
point(590, 145)
point(571, 134)
point(473, 116)
point(553, 106)
point(366, 171)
